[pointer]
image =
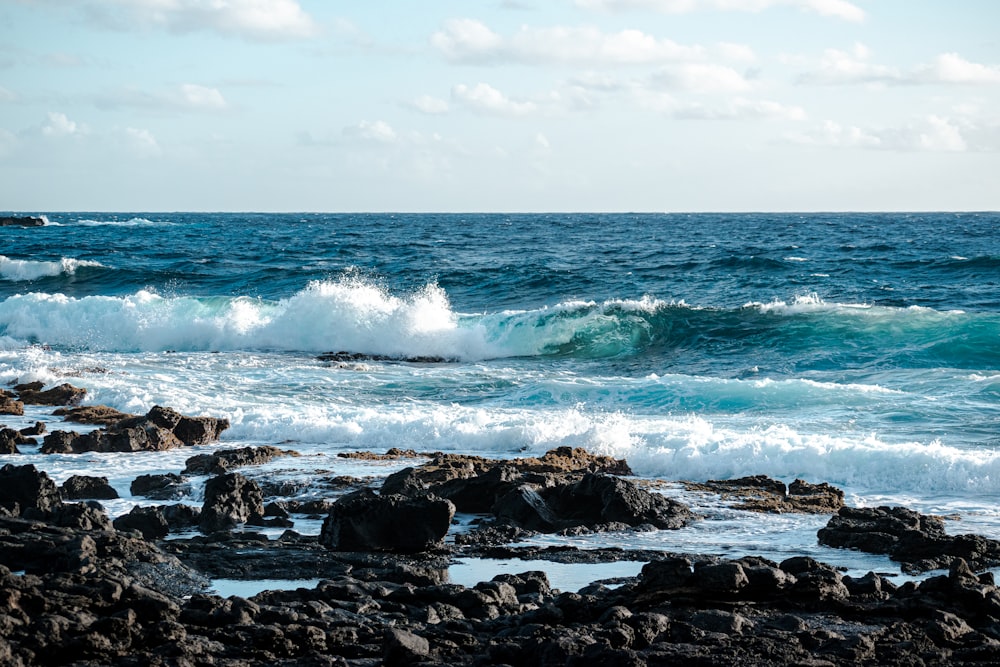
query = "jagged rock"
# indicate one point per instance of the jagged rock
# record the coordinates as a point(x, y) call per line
point(224, 460)
point(38, 428)
point(161, 428)
point(364, 521)
point(760, 493)
point(166, 486)
point(404, 648)
point(230, 499)
point(10, 439)
point(92, 414)
point(150, 521)
point(80, 487)
point(21, 221)
point(392, 454)
point(25, 487)
point(59, 442)
point(11, 406)
point(917, 541)
point(64, 394)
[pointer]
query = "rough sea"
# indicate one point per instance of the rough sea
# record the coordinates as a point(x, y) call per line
point(857, 349)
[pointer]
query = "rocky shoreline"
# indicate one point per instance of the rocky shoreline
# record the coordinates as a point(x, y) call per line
point(81, 589)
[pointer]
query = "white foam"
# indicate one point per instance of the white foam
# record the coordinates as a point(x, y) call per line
point(131, 222)
point(19, 270)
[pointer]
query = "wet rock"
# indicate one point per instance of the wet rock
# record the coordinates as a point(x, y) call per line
point(10, 405)
point(80, 487)
point(37, 429)
point(21, 221)
point(225, 460)
point(161, 428)
point(168, 486)
point(404, 648)
point(64, 394)
point(93, 414)
point(10, 439)
point(345, 357)
point(392, 454)
point(230, 499)
point(364, 521)
point(760, 493)
point(916, 540)
point(59, 442)
point(25, 488)
point(150, 521)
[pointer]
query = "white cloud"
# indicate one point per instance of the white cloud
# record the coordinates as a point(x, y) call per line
point(930, 133)
point(840, 9)
point(378, 131)
point(185, 97)
point(470, 41)
point(142, 142)
point(250, 19)
point(852, 67)
point(542, 143)
point(484, 98)
point(58, 124)
point(701, 78)
point(952, 68)
point(430, 105)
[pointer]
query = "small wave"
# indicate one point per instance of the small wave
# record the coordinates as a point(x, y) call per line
point(131, 222)
point(21, 270)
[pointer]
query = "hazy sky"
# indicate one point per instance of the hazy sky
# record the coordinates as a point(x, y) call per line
point(500, 105)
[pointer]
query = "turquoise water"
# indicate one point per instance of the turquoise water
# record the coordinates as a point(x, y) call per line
point(857, 349)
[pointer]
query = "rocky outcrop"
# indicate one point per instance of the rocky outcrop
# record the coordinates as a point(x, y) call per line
point(763, 494)
point(223, 461)
point(33, 393)
point(21, 221)
point(230, 499)
point(11, 439)
point(918, 541)
point(81, 487)
point(92, 414)
point(161, 428)
point(9, 405)
point(365, 521)
point(25, 488)
point(167, 486)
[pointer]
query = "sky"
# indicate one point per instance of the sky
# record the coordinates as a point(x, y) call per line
point(499, 105)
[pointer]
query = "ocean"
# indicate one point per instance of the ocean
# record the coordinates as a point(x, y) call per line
point(859, 349)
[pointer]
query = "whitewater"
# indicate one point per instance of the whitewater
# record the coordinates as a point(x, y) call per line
point(861, 350)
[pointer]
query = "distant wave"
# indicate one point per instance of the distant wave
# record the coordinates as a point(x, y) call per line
point(354, 315)
point(18, 270)
point(131, 222)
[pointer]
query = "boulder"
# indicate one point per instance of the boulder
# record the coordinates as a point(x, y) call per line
point(21, 221)
point(230, 499)
point(64, 394)
point(11, 406)
point(92, 414)
point(38, 428)
point(365, 521)
point(25, 487)
point(150, 521)
point(10, 439)
point(759, 493)
point(166, 486)
point(918, 541)
point(79, 487)
point(225, 460)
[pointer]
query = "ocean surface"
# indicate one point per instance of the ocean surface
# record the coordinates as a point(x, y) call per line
point(857, 349)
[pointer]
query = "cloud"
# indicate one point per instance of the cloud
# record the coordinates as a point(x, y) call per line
point(430, 105)
point(57, 124)
point(6, 95)
point(188, 97)
point(840, 9)
point(471, 41)
point(377, 131)
point(838, 67)
point(142, 142)
point(930, 133)
point(701, 78)
point(485, 99)
point(249, 19)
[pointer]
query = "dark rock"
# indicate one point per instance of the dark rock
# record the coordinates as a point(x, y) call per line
point(345, 357)
point(916, 540)
point(161, 428)
point(150, 521)
point(181, 517)
point(92, 414)
point(25, 487)
point(364, 521)
point(37, 429)
point(599, 499)
point(59, 442)
point(225, 460)
point(392, 454)
point(64, 394)
point(230, 499)
point(80, 487)
point(166, 486)
point(21, 221)
point(10, 439)
point(403, 648)
point(11, 406)
point(760, 493)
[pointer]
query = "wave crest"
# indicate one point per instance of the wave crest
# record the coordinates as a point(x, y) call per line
point(24, 270)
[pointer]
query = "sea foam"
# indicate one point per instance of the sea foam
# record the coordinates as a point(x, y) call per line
point(23, 270)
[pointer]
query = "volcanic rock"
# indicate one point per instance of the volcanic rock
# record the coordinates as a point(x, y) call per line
point(21, 221)
point(80, 487)
point(10, 406)
point(150, 521)
point(224, 460)
point(760, 493)
point(166, 486)
point(92, 414)
point(64, 394)
point(916, 540)
point(364, 521)
point(25, 487)
point(230, 499)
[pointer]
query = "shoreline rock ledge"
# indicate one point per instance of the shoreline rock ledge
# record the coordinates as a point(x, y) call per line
point(21, 221)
